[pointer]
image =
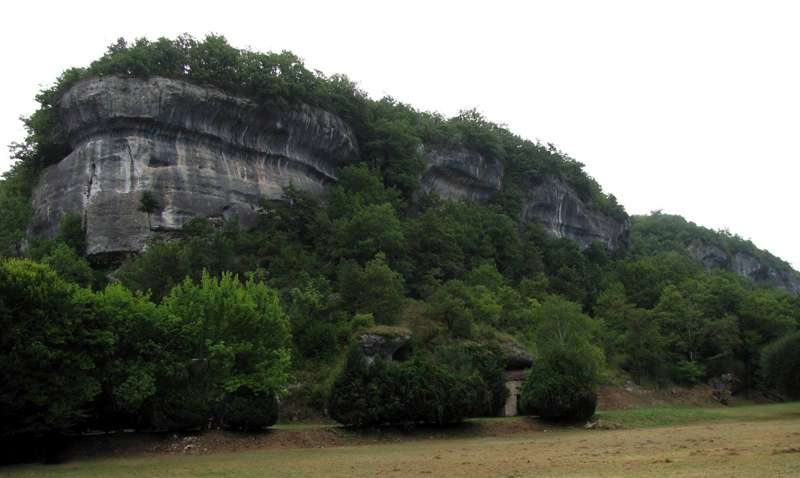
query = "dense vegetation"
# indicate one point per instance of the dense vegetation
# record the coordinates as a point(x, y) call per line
point(213, 325)
point(660, 232)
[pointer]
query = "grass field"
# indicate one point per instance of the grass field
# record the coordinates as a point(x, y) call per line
point(750, 441)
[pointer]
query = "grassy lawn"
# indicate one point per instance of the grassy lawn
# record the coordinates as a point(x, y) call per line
point(671, 415)
point(747, 441)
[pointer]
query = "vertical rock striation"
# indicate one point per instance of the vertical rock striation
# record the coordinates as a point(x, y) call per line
point(200, 151)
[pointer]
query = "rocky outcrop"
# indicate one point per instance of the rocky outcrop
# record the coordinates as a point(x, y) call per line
point(461, 174)
point(746, 265)
point(387, 343)
point(558, 207)
point(204, 153)
point(200, 151)
point(515, 355)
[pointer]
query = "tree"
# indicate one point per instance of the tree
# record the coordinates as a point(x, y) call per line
point(148, 204)
point(139, 365)
point(156, 270)
point(560, 386)
point(235, 345)
point(561, 324)
point(69, 265)
point(374, 288)
point(72, 233)
point(370, 230)
point(780, 363)
point(49, 350)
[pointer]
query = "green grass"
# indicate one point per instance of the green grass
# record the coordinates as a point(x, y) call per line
point(678, 415)
point(752, 441)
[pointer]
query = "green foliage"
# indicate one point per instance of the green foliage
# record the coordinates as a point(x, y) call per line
point(377, 250)
point(245, 409)
point(72, 233)
point(233, 334)
point(660, 232)
point(156, 271)
point(560, 386)
point(488, 362)
point(48, 350)
point(73, 268)
point(148, 204)
point(781, 365)
point(371, 230)
point(374, 288)
point(136, 369)
point(420, 390)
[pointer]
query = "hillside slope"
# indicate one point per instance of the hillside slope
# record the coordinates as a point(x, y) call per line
point(714, 249)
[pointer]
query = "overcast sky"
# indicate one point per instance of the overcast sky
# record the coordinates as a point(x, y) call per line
point(691, 107)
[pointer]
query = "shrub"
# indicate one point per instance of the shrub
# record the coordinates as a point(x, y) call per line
point(488, 362)
point(780, 362)
point(246, 409)
point(417, 391)
point(49, 346)
point(559, 386)
point(233, 336)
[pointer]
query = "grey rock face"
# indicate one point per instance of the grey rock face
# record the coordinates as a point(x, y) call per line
point(205, 153)
point(515, 355)
point(709, 255)
point(745, 265)
point(201, 152)
point(557, 206)
point(387, 343)
point(461, 174)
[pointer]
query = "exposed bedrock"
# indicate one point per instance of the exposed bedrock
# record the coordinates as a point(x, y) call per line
point(205, 153)
point(200, 151)
point(556, 205)
point(464, 174)
point(745, 265)
point(461, 174)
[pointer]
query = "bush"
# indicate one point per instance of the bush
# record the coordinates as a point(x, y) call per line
point(246, 409)
point(559, 386)
point(49, 349)
point(417, 391)
point(233, 336)
point(780, 362)
point(488, 362)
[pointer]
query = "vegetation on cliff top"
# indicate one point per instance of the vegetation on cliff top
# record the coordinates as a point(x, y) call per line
point(459, 275)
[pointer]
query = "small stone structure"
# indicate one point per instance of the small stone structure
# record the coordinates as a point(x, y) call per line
point(517, 360)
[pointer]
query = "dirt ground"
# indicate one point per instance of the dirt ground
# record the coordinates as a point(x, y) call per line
point(768, 447)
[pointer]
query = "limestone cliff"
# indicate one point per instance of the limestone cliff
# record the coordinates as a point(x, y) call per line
point(205, 153)
point(461, 174)
point(464, 174)
point(200, 151)
point(558, 207)
point(745, 264)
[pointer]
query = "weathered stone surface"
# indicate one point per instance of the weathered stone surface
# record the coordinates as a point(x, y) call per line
point(464, 174)
point(461, 174)
point(709, 255)
point(557, 206)
point(387, 343)
point(205, 153)
point(202, 152)
point(515, 355)
point(745, 265)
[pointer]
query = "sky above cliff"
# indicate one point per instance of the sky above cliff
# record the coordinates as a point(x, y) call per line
point(685, 106)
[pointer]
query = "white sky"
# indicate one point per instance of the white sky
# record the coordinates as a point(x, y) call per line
point(692, 107)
